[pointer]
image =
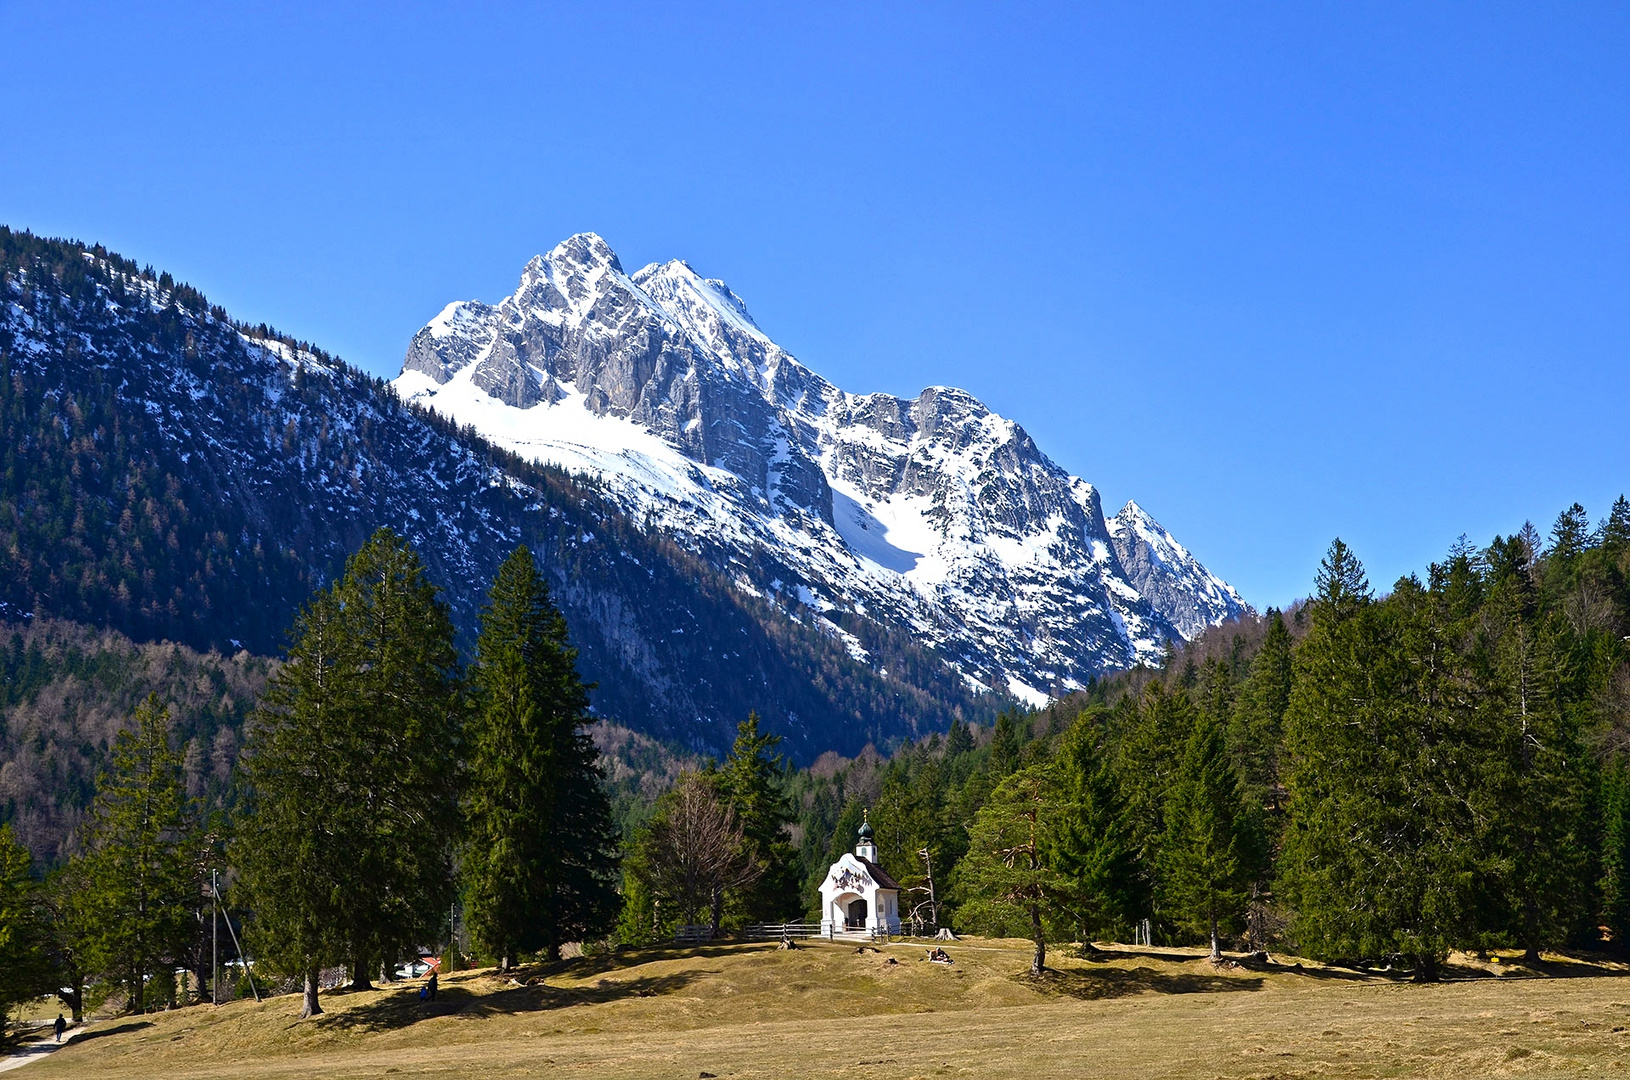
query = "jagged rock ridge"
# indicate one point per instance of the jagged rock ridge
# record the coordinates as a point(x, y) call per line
point(930, 514)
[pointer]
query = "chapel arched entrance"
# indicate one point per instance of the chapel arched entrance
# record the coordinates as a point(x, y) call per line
point(855, 916)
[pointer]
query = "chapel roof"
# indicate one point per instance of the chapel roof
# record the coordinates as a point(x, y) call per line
point(879, 875)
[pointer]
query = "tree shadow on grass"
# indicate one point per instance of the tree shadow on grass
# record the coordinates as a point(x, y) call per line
point(602, 963)
point(104, 1032)
point(1113, 982)
point(403, 1008)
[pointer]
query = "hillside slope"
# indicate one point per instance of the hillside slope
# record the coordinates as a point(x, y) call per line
point(171, 474)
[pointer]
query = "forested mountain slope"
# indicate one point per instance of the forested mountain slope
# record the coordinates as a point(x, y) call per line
point(171, 474)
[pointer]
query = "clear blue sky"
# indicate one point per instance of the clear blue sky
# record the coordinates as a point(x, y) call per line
point(1279, 272)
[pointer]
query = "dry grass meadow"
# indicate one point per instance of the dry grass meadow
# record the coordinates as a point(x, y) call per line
point(824, 1009)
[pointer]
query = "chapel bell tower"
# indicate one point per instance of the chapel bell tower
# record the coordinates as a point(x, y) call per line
point(865, 848)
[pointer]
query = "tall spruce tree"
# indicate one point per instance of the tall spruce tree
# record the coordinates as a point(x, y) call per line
point(346, 851)
point(407, 687)
point(1613, 887)
point(539, 864)
point(1544, 782)
point(1210, 854)
point(1258, 722)
point(1092, 845)
point(1392, 781)
point(140, 889)
point(751, 782)
point(1149, 756)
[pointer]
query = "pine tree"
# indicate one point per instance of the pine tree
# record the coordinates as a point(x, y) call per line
point(521, 811)
point(138, 876)
point(1004, 747)
point(346, 849)
point(1259, 714)
point(405, 683)
point(1614, 885)
point(23, 970)
point(1390, 782)
point(1149, 755)
point(751, 783)
point(1545, 783)
point(1569, 536)
point(959, 740)
point(1006, 879)
point(1092, 845)
point(1208, 857)
point(1616, 529)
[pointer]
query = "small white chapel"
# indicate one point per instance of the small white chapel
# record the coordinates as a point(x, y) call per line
point(857, 896)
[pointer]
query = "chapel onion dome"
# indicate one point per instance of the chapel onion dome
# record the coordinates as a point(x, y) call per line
point(865, 827)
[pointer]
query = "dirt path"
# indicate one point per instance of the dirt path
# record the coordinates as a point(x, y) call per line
point(32, 1051)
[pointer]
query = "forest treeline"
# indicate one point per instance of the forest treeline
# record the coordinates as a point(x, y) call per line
point(1368, 777)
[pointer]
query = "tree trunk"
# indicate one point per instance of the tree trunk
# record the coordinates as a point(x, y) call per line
point(387, 965)
point(508, 962)
point(717, 913)
point(1216, 943)
point(1531, 955)
point(76, 1000)
point(359, 975)
point(1038, 962)
point(1426, 968)
point(312, 1006)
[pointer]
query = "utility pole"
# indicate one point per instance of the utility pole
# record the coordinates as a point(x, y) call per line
point(214, 939)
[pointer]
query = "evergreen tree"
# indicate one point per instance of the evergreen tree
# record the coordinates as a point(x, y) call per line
point(1569, 536)
point(1616, 529)
point(751, 783)
point(350, 769)
point(1614, 885)
point(139, 883)
point(1006, 880)
point(405, 683)
point(23, 972)
point(1391, 794)
point(1258, 721)
point(1092, 845)
point(1150, 754)
point(959, 740)
point(1004, 747)
point(1208, 857)
point(525, 817)
point(1544, 787)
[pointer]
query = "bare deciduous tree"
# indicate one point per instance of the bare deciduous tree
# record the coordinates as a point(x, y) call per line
point(693, 851)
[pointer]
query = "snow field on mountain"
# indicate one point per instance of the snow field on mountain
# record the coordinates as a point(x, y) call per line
point(935, 513)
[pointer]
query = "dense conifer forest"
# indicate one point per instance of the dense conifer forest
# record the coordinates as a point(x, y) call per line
point(1372, 778)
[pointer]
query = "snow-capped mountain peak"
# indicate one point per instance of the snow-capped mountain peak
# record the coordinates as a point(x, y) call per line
point(1173, 581)
point(933, 514)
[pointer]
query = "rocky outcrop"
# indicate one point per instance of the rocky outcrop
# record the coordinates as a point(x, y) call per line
point(932, 515)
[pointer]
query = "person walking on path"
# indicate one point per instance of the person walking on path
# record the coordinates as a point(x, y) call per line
point(61, 1026)
point(432, 986)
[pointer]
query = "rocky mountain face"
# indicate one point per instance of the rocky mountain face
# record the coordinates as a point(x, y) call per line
point(932, 516)
point(168, 473)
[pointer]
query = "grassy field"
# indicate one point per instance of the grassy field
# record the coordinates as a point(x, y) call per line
point(821, 1010)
